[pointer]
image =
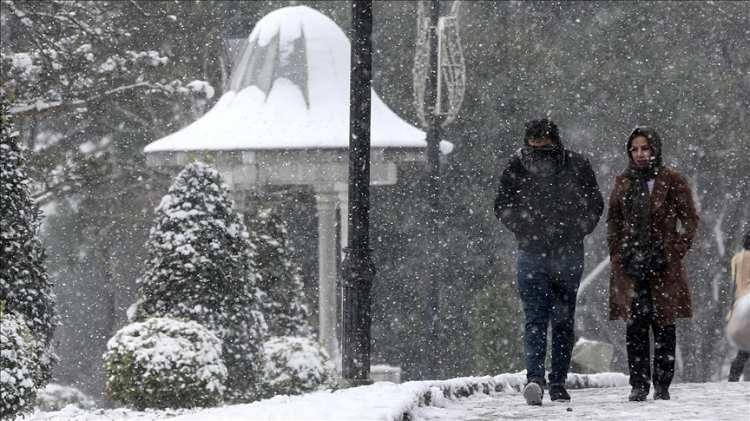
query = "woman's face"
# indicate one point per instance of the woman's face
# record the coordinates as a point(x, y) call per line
point(640, 151)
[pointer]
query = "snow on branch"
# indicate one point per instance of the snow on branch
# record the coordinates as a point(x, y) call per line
point(41, 107)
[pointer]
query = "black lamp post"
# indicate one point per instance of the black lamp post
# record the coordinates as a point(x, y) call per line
point(358, 269)
point(433, 271)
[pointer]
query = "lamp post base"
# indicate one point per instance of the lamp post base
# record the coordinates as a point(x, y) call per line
point(348, 383)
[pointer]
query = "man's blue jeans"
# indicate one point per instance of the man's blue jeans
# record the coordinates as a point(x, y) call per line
point(548, 285)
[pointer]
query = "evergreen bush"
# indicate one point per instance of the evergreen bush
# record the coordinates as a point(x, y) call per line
point(20, 368)
point(295, 365)
point(201, 268)
point(280, 276)
point(24, 286)
point(165, 363)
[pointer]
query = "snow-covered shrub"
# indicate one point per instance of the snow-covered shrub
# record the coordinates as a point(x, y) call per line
point(20, 369)
point(280, 276)
point(295, 365)
point(165, 363)
point(24, 286)
point(55, 397)
point(201, 268)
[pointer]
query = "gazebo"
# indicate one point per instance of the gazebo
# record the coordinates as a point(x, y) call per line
point(284, 120)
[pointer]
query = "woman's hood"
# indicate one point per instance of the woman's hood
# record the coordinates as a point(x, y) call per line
point(654, 140)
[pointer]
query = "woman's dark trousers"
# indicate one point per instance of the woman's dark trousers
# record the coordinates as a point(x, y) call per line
point(638, 344)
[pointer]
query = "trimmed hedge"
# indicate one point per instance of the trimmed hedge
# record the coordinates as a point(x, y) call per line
point(165, 363)
point(295, 365)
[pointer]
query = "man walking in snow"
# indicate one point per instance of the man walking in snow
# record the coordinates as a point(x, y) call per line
point(549, 198)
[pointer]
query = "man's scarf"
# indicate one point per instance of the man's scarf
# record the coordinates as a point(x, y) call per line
point(542, 161)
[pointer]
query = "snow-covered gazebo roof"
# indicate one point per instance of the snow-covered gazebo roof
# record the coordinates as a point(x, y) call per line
point(290, 90)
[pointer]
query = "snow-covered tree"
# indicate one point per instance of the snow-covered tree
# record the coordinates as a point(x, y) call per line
point(20, 368)
point(75, 62)
point(280, 276)
point(294, 361)
point(295, 365)
point(93, 82)
point(165, 363)
point(88, 92)
point(201, 269)
point(24, 286)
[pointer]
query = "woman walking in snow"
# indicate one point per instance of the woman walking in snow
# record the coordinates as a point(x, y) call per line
point(651, 224)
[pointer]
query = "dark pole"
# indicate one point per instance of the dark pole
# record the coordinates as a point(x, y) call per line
point(433, 270)
point(358, 269)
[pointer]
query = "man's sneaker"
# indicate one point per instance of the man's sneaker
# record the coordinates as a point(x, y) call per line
point(557, 393)
point(661, 393)
point(638, 394)
point(533, 392)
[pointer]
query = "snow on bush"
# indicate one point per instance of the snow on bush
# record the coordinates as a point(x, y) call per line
point(20, 369)
point(165, 363)
point(55, 397)
point(201, 268)
point(295, 365)
point(280, 276)
point(25, 288)
point(201, 87)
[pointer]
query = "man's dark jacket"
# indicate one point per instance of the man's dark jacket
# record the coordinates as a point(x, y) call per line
point(551, 213)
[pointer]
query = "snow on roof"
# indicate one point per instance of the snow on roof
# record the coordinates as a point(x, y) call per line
point(290, 90)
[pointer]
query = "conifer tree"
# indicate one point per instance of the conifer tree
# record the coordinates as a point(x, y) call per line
point(201, 268)
point(24, 286)
point(284, 308)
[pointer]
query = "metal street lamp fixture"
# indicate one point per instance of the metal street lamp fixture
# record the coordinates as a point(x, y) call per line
point(439, 85)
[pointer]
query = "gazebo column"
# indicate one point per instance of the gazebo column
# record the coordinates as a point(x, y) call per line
point(344, 219)
point(326, 203)
point(343, 211)
point(239, 196)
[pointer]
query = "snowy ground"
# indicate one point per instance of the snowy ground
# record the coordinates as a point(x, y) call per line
point(690, 401)
point(491, 398)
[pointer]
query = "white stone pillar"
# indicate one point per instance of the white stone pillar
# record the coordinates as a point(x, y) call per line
point(326, 202)
point(344, 220)
point(239, 197)
point(343, 206)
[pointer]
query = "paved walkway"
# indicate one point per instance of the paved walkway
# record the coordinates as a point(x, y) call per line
point(690, 401)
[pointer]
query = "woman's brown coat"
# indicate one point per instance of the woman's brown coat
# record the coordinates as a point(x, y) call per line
point(671, 201)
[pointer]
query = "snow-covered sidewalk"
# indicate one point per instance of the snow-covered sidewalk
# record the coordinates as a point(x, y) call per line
point(690, 401)
point(380, 401)
point(470, 398)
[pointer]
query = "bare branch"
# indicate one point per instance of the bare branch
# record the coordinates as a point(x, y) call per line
point(39, 108)
point(139, 8)
point(91, 33)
